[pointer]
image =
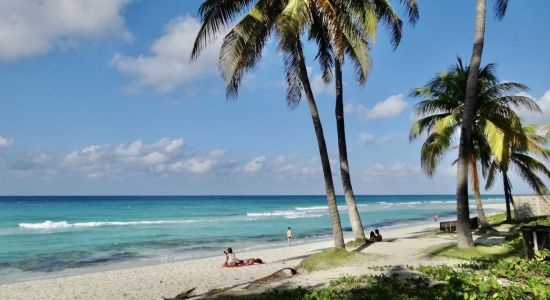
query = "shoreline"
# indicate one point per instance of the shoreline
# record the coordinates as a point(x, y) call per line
point(162, 260)
point(171, 278)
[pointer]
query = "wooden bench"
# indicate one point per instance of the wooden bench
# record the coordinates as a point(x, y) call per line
point(535, 238)
point(450, 226)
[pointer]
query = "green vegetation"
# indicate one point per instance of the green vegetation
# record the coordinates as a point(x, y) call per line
point(330, 258)
point(470, 253)
point(495, 122)
point(358, 243)
point(497, 219)
point(491, 272)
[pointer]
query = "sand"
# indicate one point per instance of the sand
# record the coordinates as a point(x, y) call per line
point(403, 246)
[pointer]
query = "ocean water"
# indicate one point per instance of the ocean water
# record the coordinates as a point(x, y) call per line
point(56, 236)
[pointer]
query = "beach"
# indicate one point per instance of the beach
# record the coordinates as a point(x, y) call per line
point(403, 245)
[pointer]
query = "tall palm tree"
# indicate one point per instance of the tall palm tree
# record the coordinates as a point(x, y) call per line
point(514, 151)
point(481, 153)
point(441, 115)
point(346, 18)
point(242, 48)
point(464, 232)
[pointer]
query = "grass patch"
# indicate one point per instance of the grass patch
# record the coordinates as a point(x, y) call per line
point(497, 219)
point(330, 258)
point(358, 242)
point(451, 250)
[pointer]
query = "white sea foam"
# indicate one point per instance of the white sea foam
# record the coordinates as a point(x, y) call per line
point(64, 224)
point(303, 216)
point(282, 213)
point(324, 208)
point(312, 208)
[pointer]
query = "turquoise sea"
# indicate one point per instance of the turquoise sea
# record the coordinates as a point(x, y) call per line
point(57, 236)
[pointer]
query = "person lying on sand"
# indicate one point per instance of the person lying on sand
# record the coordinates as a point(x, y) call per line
point(251, 261)
point(240, 263)
point(230, 258)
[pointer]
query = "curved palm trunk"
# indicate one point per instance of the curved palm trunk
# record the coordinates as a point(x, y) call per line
point(353, 213)
point(507, 196)
point(329, 185)
point(477, 194)
point(464, 232)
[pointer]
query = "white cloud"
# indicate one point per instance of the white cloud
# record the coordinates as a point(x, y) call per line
point(366, 138)
point(388, 108)
point(152, 154)
point(255, 165)
point(31, 27)
point(5, 142)
point(163, 155)
point(348, 108)
point(196, 165)
point(169, 66)
point(288, 166)
point(533, 117)
point(397, 169)
point(369, 139)
point(320, 87)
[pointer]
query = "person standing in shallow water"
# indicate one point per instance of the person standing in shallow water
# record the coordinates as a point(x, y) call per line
point(289, 235)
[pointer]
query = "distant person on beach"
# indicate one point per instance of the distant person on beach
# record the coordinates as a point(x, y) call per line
point(373, 237)
point(289, 235)
point(230, 258)
point(378, 235)
point(436, 217)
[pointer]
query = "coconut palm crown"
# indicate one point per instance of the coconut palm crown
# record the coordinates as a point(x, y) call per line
point(440, 116)
point(520, 152)
point(440, 111)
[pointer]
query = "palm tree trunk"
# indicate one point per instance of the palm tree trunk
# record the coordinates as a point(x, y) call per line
point(329, 185)
point(507, 196)
point(464, 232)
point(353, 213)
point(477, 194)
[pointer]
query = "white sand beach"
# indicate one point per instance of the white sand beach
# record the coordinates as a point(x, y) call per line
point(403, 246)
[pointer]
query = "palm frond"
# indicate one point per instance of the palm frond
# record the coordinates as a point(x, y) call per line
point(434, 148)
point(525, 171)
point(215, 16)
point(425, 124)
point(242, 47)
point(320, 35)
point(390, 19)
point(411, 10)
point(499, 7)
point(494, 168)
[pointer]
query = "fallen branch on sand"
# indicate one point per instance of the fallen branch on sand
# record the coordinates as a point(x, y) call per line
point(277, 276)
point(184, 295)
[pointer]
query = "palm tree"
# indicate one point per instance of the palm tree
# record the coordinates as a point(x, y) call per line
point(347, 20)
point(481, 153)
point(464, 232)
point(441, 114)
point(515, 149)
point(242, 48)
point(353, 22)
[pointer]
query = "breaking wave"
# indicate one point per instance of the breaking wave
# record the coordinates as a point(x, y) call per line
point(64, 224)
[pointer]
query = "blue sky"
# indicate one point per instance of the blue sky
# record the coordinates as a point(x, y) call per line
point(99, 97)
